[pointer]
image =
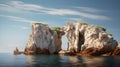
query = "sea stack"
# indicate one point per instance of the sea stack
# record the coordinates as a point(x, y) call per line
point(16, 51)
point(89, 39)
point(44, 40)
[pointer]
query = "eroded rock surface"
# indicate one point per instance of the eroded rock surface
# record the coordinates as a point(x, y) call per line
point(44, 40)
point(116, 51)
point(89, 39)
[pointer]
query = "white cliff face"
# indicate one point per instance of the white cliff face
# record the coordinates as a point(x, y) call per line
point(82, 37)
point(43, 40)
point(72, 32)
point(97, 37)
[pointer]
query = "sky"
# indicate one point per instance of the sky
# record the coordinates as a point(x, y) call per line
point(16, 17)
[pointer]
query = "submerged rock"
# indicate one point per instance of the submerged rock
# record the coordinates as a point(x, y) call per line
point(89, 39)
point(44, 40)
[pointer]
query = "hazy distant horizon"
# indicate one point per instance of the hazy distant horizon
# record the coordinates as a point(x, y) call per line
point(16, 17)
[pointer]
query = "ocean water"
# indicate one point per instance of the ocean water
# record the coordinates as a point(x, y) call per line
point(10, 60)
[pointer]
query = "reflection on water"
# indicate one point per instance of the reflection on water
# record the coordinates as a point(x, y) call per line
point(72, 61)
point(9, 60)
point(43, 60)
point(93, 61)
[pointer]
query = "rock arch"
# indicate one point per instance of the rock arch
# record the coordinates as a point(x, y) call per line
point(88, 39)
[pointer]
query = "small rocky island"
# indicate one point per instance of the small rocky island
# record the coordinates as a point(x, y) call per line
point(83, 40)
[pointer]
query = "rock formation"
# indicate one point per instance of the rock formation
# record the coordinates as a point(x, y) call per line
point(44, 40)
point(16, 51)
point(89, 39)
point(83, 39)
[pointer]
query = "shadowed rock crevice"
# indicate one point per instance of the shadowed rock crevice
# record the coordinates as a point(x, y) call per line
point(81, 40)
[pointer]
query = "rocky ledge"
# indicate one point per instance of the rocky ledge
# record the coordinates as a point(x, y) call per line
point(83, 39)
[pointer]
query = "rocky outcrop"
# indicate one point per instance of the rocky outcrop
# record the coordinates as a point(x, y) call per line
point(89, 39)
point(44, 40)
point(16, 51)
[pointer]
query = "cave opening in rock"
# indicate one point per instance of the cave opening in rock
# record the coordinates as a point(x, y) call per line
point(64, 45)
point(81, 40)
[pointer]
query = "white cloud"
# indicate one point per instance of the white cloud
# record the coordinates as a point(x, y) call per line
point(88, 9)
point(63, 12)
point(22, 6)
point(19, 19)
point(19, 6)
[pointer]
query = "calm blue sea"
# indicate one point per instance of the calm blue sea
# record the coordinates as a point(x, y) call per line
point(10, 60)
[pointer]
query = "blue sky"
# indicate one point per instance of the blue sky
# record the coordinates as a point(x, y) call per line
point(16, 17)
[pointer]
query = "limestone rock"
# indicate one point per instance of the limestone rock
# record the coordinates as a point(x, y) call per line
point(83, 39)
point(90, 38)
point(43, 40)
